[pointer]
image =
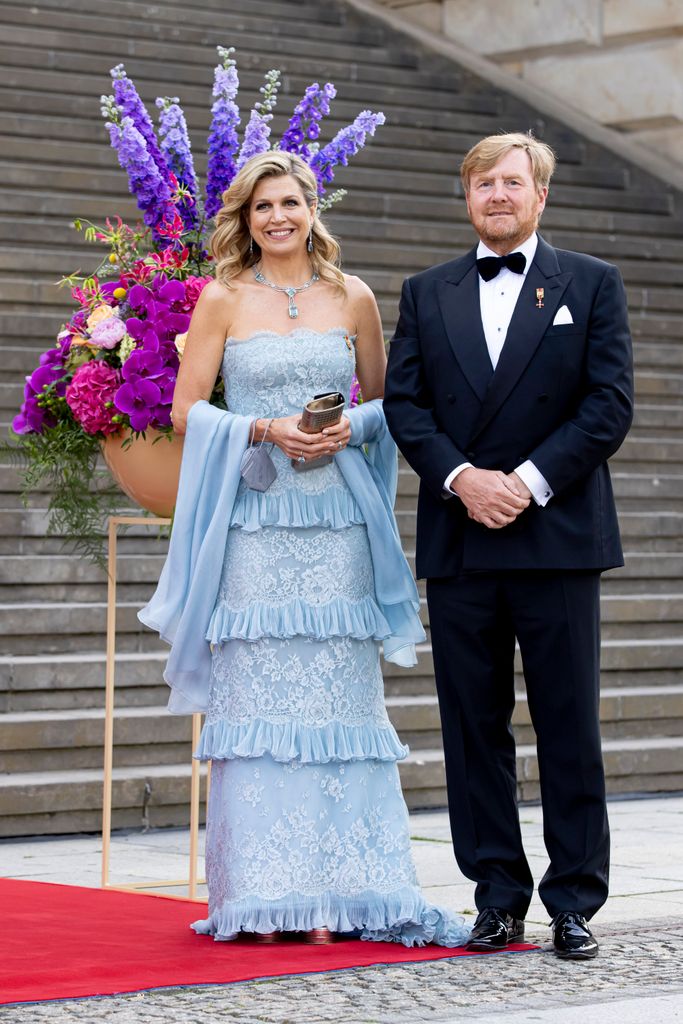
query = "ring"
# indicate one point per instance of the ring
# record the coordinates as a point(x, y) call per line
point(339, 445)
point(302, 457)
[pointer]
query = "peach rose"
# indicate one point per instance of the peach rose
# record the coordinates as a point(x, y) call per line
point(180, 340)
point(100, 313)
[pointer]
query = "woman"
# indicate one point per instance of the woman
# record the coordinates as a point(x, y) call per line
point(307, 830)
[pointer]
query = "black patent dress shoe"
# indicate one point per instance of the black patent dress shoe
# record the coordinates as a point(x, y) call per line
point(494, 929)
point(572, 938)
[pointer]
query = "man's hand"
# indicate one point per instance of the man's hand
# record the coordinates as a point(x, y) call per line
point(520, 486)
point(490, 497)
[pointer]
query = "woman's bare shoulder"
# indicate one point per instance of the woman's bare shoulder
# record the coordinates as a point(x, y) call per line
point(216, 295)
point(357, 290)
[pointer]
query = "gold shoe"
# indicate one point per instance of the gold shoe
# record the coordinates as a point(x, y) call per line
point(266, 937)
point(319, 937)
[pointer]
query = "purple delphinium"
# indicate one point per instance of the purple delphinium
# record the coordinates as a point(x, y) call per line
point(175, 145)
point(257, 132)
point(145, 182)
point(130, 105)
point(304, 124)
point(345, 144)
point(223, 142)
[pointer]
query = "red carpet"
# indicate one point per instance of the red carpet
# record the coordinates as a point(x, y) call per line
point(64, 941)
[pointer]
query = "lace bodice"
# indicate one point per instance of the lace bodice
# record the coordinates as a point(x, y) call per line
point(271, 374)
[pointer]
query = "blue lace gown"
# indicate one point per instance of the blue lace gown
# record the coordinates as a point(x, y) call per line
point(307, 826)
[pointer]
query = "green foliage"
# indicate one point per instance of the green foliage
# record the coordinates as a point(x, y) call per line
point(63, 461)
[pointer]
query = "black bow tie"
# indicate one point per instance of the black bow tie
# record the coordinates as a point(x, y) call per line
point(490, 266)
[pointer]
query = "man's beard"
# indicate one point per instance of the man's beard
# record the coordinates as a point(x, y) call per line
point(511, 228)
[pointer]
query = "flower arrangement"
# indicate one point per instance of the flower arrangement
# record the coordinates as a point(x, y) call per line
point(114, 365)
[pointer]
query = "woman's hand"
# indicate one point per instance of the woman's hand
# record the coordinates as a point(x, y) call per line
point(285, 433)
point(339, 435)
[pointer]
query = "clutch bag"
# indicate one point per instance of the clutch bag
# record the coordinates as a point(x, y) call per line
point(322, 411)
point(257, 468)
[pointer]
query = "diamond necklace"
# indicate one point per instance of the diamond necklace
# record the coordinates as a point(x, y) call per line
point(293, 309)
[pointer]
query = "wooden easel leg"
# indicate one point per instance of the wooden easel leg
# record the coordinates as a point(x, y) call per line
point(110, 667)
point(194, 807)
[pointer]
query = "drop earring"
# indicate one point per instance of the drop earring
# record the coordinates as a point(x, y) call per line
point(251, 246)
point(310, 241)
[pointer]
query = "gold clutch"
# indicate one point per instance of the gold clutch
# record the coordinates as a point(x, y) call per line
point(322, 411)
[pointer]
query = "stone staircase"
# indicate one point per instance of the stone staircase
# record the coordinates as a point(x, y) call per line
point(401, 214)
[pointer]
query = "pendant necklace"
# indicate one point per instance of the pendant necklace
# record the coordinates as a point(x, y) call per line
point(293, 309)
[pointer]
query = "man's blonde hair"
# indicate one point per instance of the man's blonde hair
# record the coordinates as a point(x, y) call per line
point(489, 151)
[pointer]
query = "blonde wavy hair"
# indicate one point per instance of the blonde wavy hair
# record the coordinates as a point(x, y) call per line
point(230, 242)
point(486, 154)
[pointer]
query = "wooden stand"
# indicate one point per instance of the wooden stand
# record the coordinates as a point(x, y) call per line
point(192, 880)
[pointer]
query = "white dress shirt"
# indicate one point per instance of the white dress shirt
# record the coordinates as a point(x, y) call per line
point(497, 299)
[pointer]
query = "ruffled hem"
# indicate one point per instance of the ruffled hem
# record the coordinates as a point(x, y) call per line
point(402, 916)
point(292, 741)
point(335, 508)
point(362, 620)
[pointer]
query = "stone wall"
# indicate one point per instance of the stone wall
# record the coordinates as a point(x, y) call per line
point(619, 61)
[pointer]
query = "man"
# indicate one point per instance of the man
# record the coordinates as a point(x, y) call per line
point(509, 386)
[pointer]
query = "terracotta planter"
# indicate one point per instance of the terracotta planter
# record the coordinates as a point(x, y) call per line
point(147, 472)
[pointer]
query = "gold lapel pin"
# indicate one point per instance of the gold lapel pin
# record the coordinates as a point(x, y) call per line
point(540, 293)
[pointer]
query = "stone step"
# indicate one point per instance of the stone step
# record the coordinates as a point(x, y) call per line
point(28, 45)
point(37, 741)
point(649, 417)
point(59, 578)
point(43, 803)
point(71, 681)
point(170, 11)
point(145, 21)
point(653, 450)
point(60, 569)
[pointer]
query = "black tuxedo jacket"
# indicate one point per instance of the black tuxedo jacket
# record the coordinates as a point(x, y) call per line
point(561, 396)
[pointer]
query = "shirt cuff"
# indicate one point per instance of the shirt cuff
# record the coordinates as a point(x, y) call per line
point(541, 490)
point(448, 493)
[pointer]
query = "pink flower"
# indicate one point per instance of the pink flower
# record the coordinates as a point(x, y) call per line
point(90, 396)
point(194, 287)
point(108, 333)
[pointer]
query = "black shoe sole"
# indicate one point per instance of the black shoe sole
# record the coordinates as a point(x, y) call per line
point(576, 954)
point(487, 947)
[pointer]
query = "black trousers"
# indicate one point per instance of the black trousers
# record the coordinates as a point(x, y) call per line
point(555, 617)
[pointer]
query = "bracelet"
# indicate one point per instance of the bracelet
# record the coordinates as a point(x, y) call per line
point(252, 431)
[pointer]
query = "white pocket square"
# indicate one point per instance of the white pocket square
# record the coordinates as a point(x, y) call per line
point(563, 316)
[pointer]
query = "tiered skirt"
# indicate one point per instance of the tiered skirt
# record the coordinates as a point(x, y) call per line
point(307, 826)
